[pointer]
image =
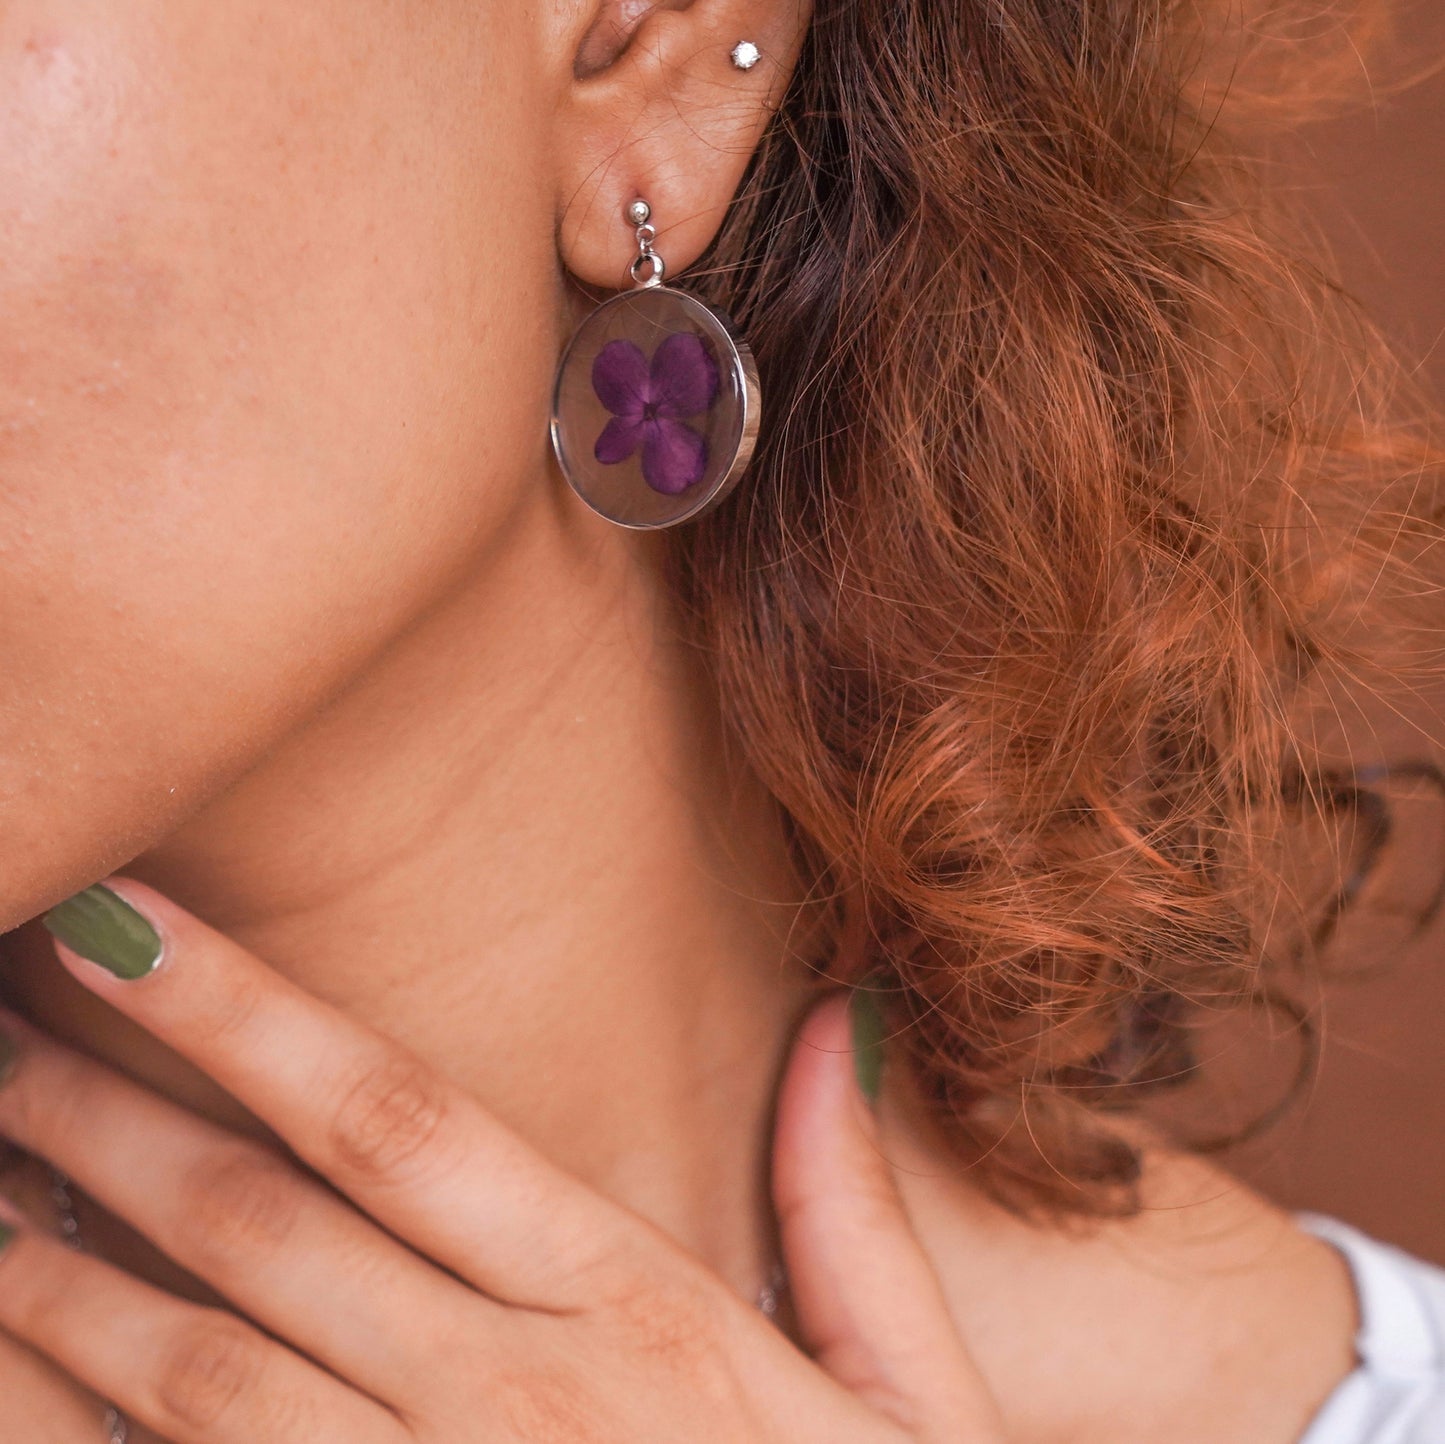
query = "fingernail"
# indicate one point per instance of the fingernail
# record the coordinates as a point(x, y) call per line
point(6, 1234)
point(867, 1041)
point(8, 1054)
point(100, 925)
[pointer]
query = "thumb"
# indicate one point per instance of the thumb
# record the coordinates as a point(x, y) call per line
point(868, 1303)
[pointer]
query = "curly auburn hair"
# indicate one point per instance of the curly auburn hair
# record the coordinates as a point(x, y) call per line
point(1083, 485)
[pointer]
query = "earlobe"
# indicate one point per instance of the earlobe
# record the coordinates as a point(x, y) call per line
point(658, 108)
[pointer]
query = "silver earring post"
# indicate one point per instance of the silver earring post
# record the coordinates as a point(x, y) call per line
point(639, 214)
point(745, 54)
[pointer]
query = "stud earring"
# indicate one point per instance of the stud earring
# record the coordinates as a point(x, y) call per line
point(745, 54)
point(656, 403)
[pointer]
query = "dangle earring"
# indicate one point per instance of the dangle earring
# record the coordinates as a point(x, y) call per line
point(656, 403)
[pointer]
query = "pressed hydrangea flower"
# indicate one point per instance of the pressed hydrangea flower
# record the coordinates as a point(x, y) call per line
point(648, 402)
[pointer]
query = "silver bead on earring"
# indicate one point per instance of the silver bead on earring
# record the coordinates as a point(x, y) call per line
point(745, 55)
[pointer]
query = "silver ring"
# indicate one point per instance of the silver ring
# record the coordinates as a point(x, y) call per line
point(658, 269)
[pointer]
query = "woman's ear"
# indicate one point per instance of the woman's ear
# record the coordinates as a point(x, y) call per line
point(657, 109)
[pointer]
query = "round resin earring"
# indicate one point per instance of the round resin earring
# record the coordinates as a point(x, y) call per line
point(656, 403)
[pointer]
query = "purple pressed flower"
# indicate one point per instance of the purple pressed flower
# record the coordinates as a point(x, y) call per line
point(648, 402)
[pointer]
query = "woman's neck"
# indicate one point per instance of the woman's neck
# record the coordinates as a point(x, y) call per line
point(515, 844)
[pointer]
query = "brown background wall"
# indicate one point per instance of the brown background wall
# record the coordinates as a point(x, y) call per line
point(1370, 1146)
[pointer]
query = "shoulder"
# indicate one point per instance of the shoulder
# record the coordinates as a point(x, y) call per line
point(1211, 1316)
point(1398, 1390)
point(1403, 1296)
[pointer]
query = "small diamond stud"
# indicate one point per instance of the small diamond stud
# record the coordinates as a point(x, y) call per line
point(745, 54)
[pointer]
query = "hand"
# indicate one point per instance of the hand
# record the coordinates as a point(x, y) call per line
point(455, 1286)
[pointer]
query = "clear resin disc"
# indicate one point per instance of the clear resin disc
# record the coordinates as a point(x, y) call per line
point(655, 409)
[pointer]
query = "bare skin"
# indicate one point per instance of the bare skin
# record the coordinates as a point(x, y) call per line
point(306, 632)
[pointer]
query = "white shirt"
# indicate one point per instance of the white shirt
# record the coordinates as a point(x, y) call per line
point(1396, 1394)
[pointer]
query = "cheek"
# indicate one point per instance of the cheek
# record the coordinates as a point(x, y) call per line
point(247, 323)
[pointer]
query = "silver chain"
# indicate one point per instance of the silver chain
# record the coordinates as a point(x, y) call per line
point(769, 1297)
point(116, 1429)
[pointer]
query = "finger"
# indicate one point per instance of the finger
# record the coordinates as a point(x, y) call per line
point(193, 1375)
point(868, 1301)
point(284, 1249)
point(414, 1151)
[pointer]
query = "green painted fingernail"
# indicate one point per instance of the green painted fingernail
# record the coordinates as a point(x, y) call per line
point(867, 1041)
point(6, 1234)
point(8, 1054)
point(100, 925)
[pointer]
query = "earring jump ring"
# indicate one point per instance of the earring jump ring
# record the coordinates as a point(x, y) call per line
point(658, 269)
